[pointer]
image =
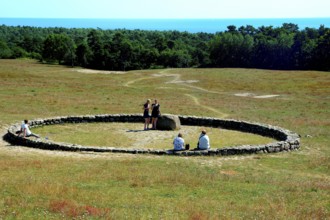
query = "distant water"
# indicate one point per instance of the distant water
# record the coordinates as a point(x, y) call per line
point(189, 25)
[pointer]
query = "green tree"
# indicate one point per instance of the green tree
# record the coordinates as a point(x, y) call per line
point(322, 52)
point(83, 53)
point(5, 51)
point(160, 43)
point(175, 58)
point(18, 52)
point(231, 49)
point(96, 45)
point(282, 52)
point(303, 48)
point(120, 52)
point(247, 30)
point(56, 47)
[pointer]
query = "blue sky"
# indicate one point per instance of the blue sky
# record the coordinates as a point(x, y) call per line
point(165, 9)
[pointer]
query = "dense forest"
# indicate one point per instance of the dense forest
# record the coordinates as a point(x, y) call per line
point(284, 47)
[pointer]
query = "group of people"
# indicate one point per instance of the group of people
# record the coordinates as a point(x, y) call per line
point(178, 142)
point(155, 113)
point(203, 142)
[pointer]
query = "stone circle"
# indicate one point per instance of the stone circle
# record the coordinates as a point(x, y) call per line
point(286, 140)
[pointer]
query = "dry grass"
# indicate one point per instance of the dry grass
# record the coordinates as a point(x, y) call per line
point(69, 209)
point(131, 135)
point(39, 184)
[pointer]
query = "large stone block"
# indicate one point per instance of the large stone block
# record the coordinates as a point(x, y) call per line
point(168, 122)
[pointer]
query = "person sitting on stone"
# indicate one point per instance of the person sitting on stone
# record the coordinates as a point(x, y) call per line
point(178, 142)
point(26, 130)
point(20, 131)
point(204, 141)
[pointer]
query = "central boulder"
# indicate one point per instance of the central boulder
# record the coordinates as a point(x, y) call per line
point(168, 122)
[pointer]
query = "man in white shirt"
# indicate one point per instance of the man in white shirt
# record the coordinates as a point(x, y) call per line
point(21, 129)
point(204, 141)
point(26, 130)
point(178, 142)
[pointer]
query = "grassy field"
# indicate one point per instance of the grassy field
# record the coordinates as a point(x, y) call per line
point(131, 135)
point(36, 184)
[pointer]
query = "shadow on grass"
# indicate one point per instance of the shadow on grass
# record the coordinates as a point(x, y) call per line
point(141, 130)
point(6, 139)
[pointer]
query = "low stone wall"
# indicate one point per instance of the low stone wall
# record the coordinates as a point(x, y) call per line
point(286, 140)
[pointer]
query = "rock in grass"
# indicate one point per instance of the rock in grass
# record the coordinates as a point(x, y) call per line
point(168, 122)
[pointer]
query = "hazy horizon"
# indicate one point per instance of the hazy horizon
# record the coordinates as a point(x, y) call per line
point(192, 25)
point(169, 9)
point(169, 18)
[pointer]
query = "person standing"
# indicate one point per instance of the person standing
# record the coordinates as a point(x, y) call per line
point(155, 113)
point(204, 141)
point(178, 142)
point(146, 114)
point(26, 130)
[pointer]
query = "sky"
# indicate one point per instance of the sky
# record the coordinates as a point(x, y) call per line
point(165, 9)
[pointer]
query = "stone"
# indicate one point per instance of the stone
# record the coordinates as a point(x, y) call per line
point(168, 122)
point(288, 140)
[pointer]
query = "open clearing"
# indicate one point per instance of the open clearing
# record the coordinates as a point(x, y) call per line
point(37, 184)
point(132, 135)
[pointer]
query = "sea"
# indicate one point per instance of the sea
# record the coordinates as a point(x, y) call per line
point(182, 25)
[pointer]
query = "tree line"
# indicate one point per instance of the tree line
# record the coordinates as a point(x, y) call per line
point(268, 47)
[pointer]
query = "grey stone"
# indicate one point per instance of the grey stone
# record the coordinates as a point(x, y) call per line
point(168, 122)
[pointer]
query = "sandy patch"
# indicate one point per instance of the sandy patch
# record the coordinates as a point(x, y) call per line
point(252, 95)
point(184, 81)
point(146, 139)
point(180, 88)
point(89, 71)
point(228, 172)
point(265, 96)
point(246, 94)
point(162, 74)
point(176, 79)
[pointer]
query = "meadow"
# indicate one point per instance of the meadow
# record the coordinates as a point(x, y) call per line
point(131, 135)
point(38, 184)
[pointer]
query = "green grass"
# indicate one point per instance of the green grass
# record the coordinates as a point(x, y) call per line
point(130, 135)
point(38, 184)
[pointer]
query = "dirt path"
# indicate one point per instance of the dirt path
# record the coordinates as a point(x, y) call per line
point(129, 83)
point(175, 80)
point(90, 71)
point(186, 83)
point(196, 101)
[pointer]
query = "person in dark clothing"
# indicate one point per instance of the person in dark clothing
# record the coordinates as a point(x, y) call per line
point(146, 114)
point(155, 113)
